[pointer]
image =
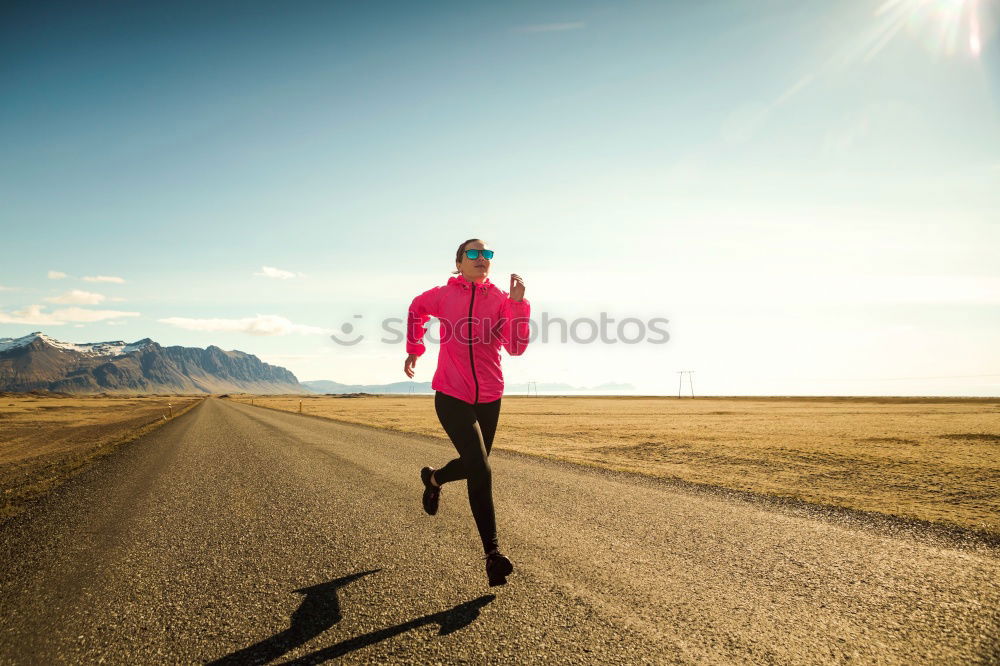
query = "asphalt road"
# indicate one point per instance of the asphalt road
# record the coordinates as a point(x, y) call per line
point(238, 534)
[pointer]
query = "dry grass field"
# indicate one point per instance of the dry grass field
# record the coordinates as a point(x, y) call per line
point(933, 459)
point(45, 439)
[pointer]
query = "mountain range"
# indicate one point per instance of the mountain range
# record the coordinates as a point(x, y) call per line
point(39, 362)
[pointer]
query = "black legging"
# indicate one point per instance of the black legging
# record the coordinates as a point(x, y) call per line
point(471, 429)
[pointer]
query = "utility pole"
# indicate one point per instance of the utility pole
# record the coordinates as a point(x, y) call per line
point(680, 381)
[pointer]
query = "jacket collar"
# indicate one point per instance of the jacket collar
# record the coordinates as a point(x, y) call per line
point(465, 284)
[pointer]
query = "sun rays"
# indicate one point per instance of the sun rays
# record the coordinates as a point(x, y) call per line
point(941, 26)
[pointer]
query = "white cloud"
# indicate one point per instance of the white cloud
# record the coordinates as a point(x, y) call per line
point(33, 315)
point(104, 278)
point(277, 273)
point(81, 314)
point(3, 288)
point(259, 325)
point(77, 297)
point(56, 275)
point(552, 27)
point(30, 315)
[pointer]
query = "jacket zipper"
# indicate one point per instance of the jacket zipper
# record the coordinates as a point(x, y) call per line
point(472, 362)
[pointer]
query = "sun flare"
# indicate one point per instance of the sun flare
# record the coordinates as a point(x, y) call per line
point(940, 25)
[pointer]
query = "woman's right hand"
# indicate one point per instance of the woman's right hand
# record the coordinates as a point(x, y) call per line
point(411, 361)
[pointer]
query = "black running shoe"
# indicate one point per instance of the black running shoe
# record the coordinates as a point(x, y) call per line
point(498, 567)
point(432, 493)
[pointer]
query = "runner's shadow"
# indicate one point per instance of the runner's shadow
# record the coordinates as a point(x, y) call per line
point(320, 610)
point(451, 620)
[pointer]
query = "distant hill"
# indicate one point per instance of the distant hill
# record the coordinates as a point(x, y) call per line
point(39, 362)
point(326, 386)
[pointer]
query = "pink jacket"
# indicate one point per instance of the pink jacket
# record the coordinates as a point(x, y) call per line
point(469, 364)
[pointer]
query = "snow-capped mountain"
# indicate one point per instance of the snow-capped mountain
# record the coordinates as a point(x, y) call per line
point(116, 348)
point(39, 362)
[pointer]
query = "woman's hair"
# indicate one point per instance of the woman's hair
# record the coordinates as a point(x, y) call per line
point(461, 249)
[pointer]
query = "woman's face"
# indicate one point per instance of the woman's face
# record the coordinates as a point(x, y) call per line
point(474, 269)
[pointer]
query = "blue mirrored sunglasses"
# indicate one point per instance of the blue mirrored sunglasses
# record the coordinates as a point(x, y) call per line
point(474, 254)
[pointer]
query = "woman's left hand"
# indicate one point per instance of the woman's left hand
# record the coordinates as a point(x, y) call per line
point(516, 287)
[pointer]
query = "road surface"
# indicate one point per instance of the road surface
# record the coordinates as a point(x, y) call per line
point(238, 534)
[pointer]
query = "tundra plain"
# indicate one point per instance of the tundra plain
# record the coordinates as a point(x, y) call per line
point(934, 460)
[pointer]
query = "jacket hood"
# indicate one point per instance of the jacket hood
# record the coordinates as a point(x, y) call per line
point(465, 284)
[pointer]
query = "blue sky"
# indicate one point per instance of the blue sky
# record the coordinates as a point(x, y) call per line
point(805, 190)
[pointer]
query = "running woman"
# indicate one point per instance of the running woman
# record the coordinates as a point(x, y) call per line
point(477, 317)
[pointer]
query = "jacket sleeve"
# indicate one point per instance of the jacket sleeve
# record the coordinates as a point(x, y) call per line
point(421, 309)
point(516, 329)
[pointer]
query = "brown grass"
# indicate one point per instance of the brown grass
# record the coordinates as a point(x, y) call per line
point(933, 459)
point(45, 440)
